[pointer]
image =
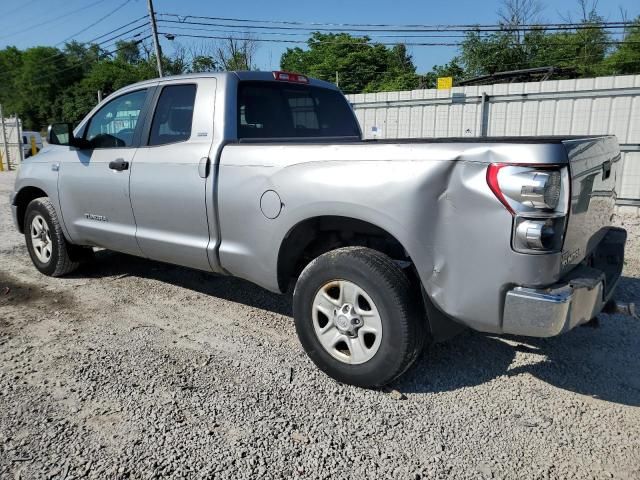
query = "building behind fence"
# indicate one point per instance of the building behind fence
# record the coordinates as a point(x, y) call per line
point(589, 106)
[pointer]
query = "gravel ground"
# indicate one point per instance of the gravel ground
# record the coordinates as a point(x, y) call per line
point(136, 369)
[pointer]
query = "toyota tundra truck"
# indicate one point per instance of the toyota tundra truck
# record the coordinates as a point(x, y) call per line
point(386, 244)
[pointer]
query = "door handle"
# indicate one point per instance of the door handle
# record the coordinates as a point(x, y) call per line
point(118, 165)
point(203, 167)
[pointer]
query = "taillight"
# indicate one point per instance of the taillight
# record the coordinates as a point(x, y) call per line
point(537, 196)
point(290, 77)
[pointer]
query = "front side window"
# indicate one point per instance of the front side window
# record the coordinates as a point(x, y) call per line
point(174, 115)
point(284, 110)
point(114, 124)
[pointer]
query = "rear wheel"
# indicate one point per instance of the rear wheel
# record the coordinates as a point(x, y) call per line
point(49, 250)
point(358, 317)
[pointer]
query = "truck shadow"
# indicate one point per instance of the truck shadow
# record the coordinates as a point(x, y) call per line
point(601, 362)
point(113, 264)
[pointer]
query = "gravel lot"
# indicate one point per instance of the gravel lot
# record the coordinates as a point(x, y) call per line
point(136, 369)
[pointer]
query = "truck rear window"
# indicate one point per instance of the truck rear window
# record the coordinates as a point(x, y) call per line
point(283, 110)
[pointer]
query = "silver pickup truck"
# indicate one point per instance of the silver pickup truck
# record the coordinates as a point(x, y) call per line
point(389, 244)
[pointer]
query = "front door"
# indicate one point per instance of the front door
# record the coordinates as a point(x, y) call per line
point(93, 183)
point(170, 177)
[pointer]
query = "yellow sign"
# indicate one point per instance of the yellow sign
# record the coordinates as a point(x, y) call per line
point(445, 83)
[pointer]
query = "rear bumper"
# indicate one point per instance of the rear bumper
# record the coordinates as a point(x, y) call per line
point(576, 299)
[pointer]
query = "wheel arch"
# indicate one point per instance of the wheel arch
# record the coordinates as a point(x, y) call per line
point(24, 196)
point(316, 235)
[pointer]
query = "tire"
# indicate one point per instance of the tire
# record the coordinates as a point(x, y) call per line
point(383, 301)
point(51, 253)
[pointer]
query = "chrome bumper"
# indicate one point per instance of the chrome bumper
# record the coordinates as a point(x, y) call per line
point(580, 297)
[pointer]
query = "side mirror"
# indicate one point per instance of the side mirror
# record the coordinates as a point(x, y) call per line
point(60, 134)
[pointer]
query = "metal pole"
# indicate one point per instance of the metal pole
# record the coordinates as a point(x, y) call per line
point(19, 133)
point(337, 80)
point(99, 96)
point(156, 42)
point(484, 115)
point(4, 139)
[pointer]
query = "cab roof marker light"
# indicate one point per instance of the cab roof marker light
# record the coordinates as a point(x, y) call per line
point(290, 77)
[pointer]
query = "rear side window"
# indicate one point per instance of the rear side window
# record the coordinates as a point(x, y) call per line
point(174, 115)
point(283, 110)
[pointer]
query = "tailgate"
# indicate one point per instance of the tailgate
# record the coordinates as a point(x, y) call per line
point(594, 165)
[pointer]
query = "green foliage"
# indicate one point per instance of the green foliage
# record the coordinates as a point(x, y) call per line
point(360, 66)
point(203, 63)
point(584, 52)
point(45, 84)
point(626, 58)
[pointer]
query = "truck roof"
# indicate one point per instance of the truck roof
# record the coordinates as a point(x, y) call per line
point(241, 75)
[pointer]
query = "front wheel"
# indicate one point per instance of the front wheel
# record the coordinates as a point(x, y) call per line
point(49, 250)
point(358, 317)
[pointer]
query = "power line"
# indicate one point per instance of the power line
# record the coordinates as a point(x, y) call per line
point(71, 37)
point(273, 40)
point(338, 42)
point(175, 27)
point(143, 25)
point(440, 28)
point(65, 15)
point(20, 7)
point(376, 25)
point(395, 30)
point(119, 28)
point(373, 34)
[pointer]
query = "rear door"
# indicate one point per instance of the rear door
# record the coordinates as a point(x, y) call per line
point(93, 183)
point(169, 179)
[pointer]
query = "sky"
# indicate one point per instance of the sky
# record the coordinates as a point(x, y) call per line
point(26, 23)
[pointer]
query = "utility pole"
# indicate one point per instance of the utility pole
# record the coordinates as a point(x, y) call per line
point(4, 140)
point(154, 31)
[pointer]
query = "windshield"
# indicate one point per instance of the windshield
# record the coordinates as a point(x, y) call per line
point(285, 110)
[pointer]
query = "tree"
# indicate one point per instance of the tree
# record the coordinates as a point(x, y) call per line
point(42, 78)
point(359, 65)
point(128, 52)
point(451, 69)
point(626, 58)
point(235, 54)
point(11, 61)
point(581, 50)
point(203, 64)
point(513, 14)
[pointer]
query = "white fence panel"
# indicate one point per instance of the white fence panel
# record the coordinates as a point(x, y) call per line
point(587, 106)
point(13, 134)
